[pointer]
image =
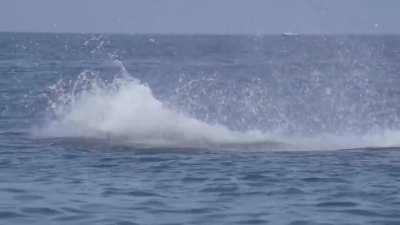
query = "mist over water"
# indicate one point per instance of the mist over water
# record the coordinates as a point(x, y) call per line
point(126, 110)
point(267, 92)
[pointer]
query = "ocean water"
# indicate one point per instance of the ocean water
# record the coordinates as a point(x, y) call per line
point(199, 129)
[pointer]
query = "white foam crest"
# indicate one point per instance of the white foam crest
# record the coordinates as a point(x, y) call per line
point(124, 109)
point(327, 141)
point(127, 110)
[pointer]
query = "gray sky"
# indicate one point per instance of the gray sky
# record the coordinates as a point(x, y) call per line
point(201, 16)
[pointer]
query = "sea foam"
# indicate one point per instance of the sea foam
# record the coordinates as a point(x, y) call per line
point(125, 110)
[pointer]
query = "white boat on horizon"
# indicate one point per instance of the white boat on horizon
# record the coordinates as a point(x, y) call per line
point(286, 34)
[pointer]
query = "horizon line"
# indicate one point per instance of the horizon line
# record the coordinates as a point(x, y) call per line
point(204, 33)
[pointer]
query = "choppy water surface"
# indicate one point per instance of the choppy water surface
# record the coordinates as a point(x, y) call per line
point(147, 129)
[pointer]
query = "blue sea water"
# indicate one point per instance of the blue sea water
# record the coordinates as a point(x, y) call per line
point(199, 129)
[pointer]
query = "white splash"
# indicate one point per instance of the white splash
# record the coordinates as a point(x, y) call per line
point(124, 109)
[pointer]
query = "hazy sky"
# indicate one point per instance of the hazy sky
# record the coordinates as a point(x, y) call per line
point(201, 16)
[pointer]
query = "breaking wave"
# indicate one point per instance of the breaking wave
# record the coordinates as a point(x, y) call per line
point(125, 110)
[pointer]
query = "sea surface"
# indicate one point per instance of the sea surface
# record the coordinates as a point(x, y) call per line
point(199, 129)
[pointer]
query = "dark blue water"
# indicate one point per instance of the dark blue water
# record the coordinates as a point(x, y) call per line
point(211, 130)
